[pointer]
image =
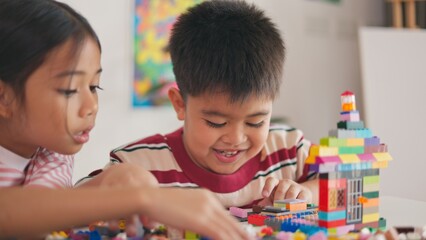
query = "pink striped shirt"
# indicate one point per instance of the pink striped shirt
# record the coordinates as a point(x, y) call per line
point(45, 168)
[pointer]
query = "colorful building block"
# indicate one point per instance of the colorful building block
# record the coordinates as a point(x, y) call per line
point(349, 180)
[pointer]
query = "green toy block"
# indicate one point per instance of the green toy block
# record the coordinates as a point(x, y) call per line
point(351, 150)
point(350, 125)
point(371, 194)
point(333, 141)
point(382, 224)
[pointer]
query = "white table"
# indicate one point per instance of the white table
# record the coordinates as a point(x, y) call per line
point(402, 212)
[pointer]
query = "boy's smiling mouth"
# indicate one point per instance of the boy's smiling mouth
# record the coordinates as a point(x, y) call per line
point(227, 156)
point(227, 153)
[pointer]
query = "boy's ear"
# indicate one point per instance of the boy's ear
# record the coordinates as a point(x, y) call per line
point(177, 102)
point(5, 100)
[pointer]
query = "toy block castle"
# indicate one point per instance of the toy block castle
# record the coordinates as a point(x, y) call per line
point(348, 162)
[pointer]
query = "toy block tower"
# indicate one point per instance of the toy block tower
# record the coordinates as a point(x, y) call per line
point(348, 162)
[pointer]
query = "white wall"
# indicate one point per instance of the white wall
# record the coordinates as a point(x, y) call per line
point(322, 58)
point(322, 61)
point(393, 64)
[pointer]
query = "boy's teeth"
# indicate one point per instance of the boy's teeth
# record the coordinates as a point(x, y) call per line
point(228, 153)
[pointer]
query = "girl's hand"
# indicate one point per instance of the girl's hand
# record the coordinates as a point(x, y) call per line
point(197, 210)
point(122, 175)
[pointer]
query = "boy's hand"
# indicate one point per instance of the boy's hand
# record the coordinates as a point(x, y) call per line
point(276, 189)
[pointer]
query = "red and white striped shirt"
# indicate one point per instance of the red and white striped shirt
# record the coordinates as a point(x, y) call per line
point(45, 168)
point(283, 157)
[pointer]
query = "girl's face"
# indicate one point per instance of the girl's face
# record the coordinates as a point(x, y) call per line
point(61, 102)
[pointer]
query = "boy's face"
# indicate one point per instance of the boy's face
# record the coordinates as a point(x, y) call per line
point(61, 102)
point(221, 136)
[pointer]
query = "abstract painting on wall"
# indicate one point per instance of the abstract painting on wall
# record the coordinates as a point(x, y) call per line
point(153, 73)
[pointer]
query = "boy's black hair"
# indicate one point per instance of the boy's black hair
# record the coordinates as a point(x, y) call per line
point(30, 30)
point(227, 47)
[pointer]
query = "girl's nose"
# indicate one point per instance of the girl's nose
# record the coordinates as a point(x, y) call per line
point(89, 104)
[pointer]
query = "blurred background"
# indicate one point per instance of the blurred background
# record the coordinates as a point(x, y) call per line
point(332, 46)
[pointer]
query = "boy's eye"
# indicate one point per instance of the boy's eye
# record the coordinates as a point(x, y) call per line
point(215, 125)
point(94, 88)
point(256, 125)
point(67, 92)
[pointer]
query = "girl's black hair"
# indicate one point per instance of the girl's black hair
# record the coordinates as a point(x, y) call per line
point(30, 30)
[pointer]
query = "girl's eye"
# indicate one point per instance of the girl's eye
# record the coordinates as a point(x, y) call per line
point(256, 125)
point(215, 125)
point(67, 92)
point(94, 88)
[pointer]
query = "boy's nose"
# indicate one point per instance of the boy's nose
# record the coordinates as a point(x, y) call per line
point(89, 105)
point(235, 137)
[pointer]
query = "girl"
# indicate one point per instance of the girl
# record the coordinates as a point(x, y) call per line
point(49, 77)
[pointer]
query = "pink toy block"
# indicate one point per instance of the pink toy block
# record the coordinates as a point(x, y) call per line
point(238, 212)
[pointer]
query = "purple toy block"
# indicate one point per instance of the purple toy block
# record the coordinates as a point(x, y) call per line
point(371, 141)
point(352, 116)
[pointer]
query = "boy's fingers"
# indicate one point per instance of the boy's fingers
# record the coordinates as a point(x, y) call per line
point(270, 184)
point(293, 191)
point(305, 195)
point(281, 191)
point(264, 202)
point(302, 195)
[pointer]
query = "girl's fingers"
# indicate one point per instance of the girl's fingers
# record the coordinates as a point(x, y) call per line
point(232, 229)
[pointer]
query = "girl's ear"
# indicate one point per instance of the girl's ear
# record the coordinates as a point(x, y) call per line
point(5, 100)
point(177, 102)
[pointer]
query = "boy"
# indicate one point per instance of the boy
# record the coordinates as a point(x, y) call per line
point(227, 57)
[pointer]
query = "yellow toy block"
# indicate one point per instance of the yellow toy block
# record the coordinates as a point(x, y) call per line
point(279, 205)
point(310, 160)
point(354, 142)
point(299, 236)
point(383, 164)
point(191, 235)
point(382, 156)
point(349, 158)
point(323, 151)
point(367, 218)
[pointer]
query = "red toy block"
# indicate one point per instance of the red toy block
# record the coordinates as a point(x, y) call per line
point(331, 224)
point(256, 219)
